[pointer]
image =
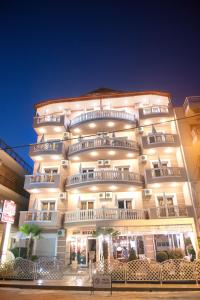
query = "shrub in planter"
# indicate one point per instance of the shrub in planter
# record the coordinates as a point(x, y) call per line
point(175, 253)
point(161, 256)
point(132, 255)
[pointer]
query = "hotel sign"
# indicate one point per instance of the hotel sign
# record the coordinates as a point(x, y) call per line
point(7, 211)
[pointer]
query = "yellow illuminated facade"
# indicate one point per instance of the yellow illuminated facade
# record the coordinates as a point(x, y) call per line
point(114, 160)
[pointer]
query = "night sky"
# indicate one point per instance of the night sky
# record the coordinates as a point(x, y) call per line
point(66, 48)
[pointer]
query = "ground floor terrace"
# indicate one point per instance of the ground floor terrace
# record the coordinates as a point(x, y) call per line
point(79, 244)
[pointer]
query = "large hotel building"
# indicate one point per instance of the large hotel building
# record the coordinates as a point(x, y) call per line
point(110, 159)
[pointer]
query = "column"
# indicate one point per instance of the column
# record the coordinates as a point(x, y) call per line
point(149, 246)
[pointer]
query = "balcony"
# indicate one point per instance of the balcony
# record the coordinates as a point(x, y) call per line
point(49, 124)
point(192, 105)
point(155, 111)
point(165, 174)
point(160, 140)
point(47, 150)
point(103, 145)
point(46, 182)
point(115, 214)
point(102, 121)
point(41, 218)
point(12, 184)
point(104, 179)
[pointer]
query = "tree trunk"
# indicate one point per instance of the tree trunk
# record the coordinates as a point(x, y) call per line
point(30, 248)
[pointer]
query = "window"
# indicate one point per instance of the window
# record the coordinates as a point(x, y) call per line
point(87, 173)
point(87, 205)
point(123, 168)
point(160, 168)
point(124, 204)
point(146, 111)
point(47, 208)
point(166, 205)
point(155, 110)
point(50, 170)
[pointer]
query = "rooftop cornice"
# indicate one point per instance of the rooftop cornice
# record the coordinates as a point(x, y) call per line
point(99, 96)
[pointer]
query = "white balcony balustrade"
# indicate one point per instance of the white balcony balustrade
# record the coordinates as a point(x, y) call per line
point(101, 214)
point(103, 143)
point(43, 218)
point(166, 174)
point(104, 176)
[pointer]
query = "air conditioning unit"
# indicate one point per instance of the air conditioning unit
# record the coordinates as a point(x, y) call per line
point(66, 135)
point(108, 195)
point(102, 196)
point(62, 196)
point(140, 130)
point(147, 192)
point(143, 158)
point(61, 233)
point(100, 163)
point(107, 163)
point(64, 163)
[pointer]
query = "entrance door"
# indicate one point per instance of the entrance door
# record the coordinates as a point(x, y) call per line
point(91, 250)
point(87, 174)
point(124, 204)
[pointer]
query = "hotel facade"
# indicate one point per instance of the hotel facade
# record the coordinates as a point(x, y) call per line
point(109, 159)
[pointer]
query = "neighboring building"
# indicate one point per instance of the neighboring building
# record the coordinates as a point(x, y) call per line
point(189, 129)
point(93, 168)
point(12, 171)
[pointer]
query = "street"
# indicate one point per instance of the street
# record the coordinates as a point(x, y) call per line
point(28, 294)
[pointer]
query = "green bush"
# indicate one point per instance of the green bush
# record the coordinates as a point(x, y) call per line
point(19, 252)
point(161, 256)
point(175, 253)
point(191, 252)
point(132, 255)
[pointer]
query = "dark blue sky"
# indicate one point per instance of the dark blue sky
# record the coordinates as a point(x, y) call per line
point(66, 48)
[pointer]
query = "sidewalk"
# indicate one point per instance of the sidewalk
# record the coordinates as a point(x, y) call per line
point(81, 282)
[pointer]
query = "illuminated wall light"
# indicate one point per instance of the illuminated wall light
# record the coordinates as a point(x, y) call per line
point(76, 158)
point(57, 129)
point(111, 152)
point(131, 189)
point(38, 158)
point(168, 150)
point(94, 153)
point(34, 191)
point(156, 185)
point(53, 190)
point(77, 130)
point(130, 155)
point(113, 187)
point(111, 124)
point(127, 126)
point(55, 157)
point(42, 130)
point(94, 188)
point(60, 107)
point(92, 125)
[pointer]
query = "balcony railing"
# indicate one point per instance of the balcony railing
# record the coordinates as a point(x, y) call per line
point(105, 176)
point(105, 214)
point(103, 114)
point(42, 178)
point(155, 110)
point(48, 146)
point(166, 171)
point(193, 101)
point(101, 214)
point(159, 140)
point(42, 217)
point(103, 143)
point(163, 174)
point(42, 181)
point(51, 120)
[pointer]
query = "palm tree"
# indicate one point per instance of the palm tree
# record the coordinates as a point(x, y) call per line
point(33, 232)
point(105, 232)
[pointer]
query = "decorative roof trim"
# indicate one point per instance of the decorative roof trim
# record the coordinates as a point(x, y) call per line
point(102, 96)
